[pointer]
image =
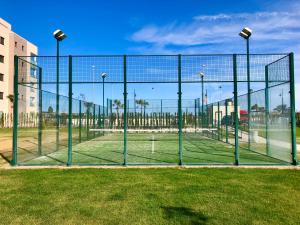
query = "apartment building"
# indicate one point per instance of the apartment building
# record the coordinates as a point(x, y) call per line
point(12, 44)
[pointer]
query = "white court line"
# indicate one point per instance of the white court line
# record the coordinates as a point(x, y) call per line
point(163, 130)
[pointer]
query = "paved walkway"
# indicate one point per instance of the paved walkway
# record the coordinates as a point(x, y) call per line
point(244, 137)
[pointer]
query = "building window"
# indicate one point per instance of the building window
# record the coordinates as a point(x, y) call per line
point(33, 58)
point(1, 58)
point(22, 64)
point(32, 72)
point(16, 44)
point(1, 77)
point(22, 47)
point(31, 101)
point(2, 40)
point(1, 95)
point(32, 87)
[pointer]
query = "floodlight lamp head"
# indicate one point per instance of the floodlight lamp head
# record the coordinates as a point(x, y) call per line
point(201, 74)
point(59, 35)
point(246, 33)
point(104, 75)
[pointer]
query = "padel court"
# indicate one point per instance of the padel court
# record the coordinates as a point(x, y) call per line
point(154, 110)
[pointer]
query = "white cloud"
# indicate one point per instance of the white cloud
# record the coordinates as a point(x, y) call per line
point(220, 28)
point(273, 31)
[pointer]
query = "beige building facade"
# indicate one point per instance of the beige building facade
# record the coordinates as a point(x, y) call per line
point(12, 44)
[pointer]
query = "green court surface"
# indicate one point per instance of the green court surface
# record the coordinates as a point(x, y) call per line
point(147, 148)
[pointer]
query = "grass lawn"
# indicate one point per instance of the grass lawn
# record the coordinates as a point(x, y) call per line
point(150, 196)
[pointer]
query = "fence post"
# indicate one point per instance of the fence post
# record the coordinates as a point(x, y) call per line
point(161, 113)
point(199, 115)
point(15, 108)
point(99, 116)
point(94, 119)
point(125, 108)
point(293, 114)
point(107, 102)
point(40, 113)
point(267, 111)
point(80, 118)
point(179, 111)
point(236, 113)
point(219, 130)
point(69, 163)
point(88, 120)
point(111, 114)
point(226, 119)
point(212, 115)
point(195, 115)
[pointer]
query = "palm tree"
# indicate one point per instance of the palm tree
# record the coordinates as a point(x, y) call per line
point(11, 99)
point(88, 106)
point(139, 102)
point(145, 103)
point(118, 105)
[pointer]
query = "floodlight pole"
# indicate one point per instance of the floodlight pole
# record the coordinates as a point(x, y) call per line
point(57, 95)
point(249, 89)
point(59, 36)
point(281, 95)
point(103, 77)
point(202, 99)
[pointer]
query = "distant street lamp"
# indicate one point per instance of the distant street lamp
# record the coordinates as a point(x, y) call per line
point(281, 95)
point(202, 97)
point(103, 75)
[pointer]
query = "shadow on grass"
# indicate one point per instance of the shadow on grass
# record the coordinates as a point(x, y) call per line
point(185, 215)
point(6, 158)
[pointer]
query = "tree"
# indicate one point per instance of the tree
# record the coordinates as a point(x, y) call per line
point(254, 107)
point(139, 102)
point(281, 108)
point(11, 99)
point(118, 105)
point(143, 104)
point(50, 109)
point(88, 105)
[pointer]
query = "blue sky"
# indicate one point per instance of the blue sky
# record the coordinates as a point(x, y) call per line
point(158, 27)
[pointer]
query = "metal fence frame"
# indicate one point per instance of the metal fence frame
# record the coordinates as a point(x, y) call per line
point(14, 161)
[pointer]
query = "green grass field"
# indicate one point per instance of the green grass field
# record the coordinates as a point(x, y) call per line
point(157, 148)
point(150, 196)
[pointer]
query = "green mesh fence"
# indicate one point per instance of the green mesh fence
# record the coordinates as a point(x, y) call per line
point(154, 109)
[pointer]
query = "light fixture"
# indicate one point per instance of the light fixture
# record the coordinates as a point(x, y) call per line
point(59, 35)
point(103, 75)
point(246, 33)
